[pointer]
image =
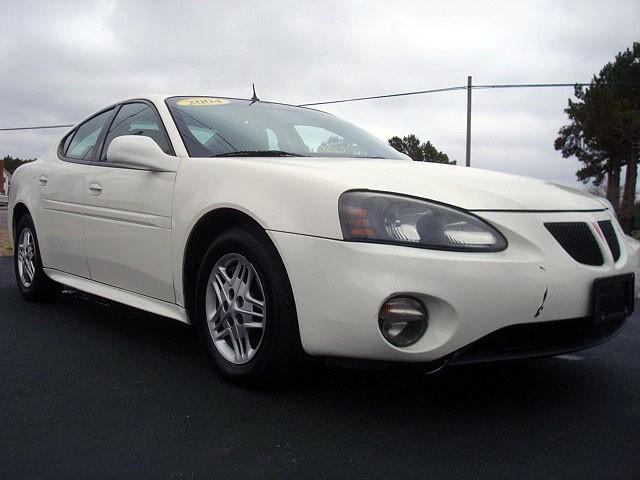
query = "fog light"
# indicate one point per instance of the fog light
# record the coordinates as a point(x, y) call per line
point(403, 321)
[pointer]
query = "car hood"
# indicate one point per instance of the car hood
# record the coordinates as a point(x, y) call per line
point(468, 188)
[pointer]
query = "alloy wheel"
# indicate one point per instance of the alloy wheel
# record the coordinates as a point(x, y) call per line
point(235, 308)
point(26, 257)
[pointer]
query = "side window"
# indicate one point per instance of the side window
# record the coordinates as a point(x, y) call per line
point(67, 141)
point(83, 144)
point(137, 119)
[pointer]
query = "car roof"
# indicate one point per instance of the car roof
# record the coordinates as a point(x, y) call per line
point(159, 98)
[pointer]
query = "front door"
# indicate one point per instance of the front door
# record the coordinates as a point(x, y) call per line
point(128, 227)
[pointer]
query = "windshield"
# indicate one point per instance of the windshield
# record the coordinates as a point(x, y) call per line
point(227, 127)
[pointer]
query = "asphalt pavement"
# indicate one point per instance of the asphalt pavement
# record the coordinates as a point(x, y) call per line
point(89, 389)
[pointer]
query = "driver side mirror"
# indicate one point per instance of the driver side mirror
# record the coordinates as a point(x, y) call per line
point(140, 153)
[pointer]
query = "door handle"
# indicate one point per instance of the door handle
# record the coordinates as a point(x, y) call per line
point(95, 188)
point(43, 180)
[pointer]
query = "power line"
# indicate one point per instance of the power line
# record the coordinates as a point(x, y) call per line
point(421, 92)
point(34, 128)
point(542, 85)
point(392, 95)
point(529, 85)
point(448, 89)
point(465, 87)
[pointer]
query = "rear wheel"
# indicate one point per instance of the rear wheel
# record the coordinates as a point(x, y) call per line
point(33, 283)
point(245, 311)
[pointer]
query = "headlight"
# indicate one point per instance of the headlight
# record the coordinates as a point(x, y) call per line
point(387, 218)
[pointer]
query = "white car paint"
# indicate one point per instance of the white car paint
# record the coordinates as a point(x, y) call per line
point(341, 286)
point(128, 243)
point(128, 230)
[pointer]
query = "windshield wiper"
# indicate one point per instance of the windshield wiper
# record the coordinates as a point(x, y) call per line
point(258, 153)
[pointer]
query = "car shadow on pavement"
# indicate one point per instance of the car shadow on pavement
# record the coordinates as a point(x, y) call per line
point(550, 379)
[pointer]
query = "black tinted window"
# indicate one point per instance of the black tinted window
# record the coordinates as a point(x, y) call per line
point(83, 144)
point(137, 119)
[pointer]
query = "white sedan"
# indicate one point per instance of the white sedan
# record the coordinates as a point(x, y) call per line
point(283, 233)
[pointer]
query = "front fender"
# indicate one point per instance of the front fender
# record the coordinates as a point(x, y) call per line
point(277, 197)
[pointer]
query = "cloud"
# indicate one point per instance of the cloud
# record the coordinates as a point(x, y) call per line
point(63, 60)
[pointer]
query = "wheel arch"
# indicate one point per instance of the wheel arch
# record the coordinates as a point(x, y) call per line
point(205, 230)
point(19, 211)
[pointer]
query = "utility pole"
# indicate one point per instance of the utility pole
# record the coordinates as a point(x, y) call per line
point(468, 157)
point(1, 176)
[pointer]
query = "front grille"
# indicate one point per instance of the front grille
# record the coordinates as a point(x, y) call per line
point(610, 236)
point(578, 241)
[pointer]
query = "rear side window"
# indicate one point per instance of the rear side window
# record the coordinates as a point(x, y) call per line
point(67, 141)
point(83, 144)
point(137, 119)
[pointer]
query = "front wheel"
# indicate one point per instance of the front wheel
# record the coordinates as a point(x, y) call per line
point(33, 283)
point(245, 310)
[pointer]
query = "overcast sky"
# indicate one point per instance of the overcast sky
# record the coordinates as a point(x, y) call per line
point(61, 60)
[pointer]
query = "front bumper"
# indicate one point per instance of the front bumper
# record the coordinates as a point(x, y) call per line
point(340, 286)
point(539, 339)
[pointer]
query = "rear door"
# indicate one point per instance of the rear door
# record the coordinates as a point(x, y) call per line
point(128, 213)
point(61, 184)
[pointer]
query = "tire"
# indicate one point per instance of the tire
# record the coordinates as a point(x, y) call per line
point(242, 281)
point(33, 283)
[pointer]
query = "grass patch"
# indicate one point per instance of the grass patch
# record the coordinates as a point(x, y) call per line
point(5, 248)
